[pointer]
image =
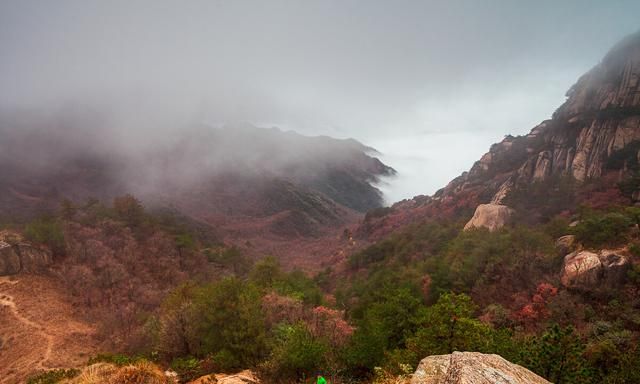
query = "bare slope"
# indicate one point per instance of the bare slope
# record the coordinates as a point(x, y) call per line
point(39, 329)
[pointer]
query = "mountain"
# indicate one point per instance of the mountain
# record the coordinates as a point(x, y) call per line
point(577, 157)
point(262, 187)
point(532, 255)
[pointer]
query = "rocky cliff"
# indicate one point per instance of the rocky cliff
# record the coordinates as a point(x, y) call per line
point(600, 117)
point(593, 135)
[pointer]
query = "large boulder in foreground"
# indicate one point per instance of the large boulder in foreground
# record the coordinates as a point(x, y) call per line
point(472, 368)
point(490, 216)
point(590, 270)
point(244, 377)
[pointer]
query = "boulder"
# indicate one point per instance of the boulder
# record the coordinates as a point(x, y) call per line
point(589, 270)
point(566, 244)
point(17, 256)
point(490, 216)
point(33, 258)
point(244, 377)
point(615, 267)
point(581, 268)
point(472, 368)
point(9, 260)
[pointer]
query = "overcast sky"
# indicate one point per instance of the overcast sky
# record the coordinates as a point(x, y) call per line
point(429, 84)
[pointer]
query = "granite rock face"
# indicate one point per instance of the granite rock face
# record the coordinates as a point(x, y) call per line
point(490, 216)
point(472, 368)
point(601, 116)
point(590, 270)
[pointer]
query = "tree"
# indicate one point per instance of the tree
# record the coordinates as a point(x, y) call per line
point(296, 353)
point(129, 209)
point(47, 231)
point(226, 321)
point(266, 272)
point(184, 242)
point(449, 326)
point(599, 230)
point(557, 356)
point(384, 326)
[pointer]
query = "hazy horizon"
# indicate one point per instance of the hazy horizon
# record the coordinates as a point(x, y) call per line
point(430, 85)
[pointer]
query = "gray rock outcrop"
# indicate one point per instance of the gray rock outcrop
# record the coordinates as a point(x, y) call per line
point(490, 216)
point(22, 257)
point(600, 118)
point(590, 270)
point(472, 368)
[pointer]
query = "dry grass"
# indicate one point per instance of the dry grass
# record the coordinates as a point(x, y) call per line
point(142, 372)
point(94, 374)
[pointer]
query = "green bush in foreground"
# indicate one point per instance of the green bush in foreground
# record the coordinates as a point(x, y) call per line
point(53, 376)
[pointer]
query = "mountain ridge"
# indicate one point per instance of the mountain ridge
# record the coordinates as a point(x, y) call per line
point(599, 119)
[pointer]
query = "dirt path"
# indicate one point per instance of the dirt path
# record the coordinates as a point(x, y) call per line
point(39, 329)
point(9, 301)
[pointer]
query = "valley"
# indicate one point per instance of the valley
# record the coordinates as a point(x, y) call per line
point(228, 253)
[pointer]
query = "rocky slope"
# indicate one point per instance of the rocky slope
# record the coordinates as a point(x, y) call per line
point(595, 134)
point(39, 329)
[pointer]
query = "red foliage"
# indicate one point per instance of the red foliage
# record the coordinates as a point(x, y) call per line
point(535, 310)
point(603, 193)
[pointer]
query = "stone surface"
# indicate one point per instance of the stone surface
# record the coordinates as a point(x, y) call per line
point(472, 368)
point(16, 257)
point(244, 377)
point(565, 244)
point(590, 270)
point(615, 266)
point(9, 260)
point(490, 216)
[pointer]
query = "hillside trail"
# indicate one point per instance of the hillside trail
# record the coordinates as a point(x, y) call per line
point(9, 301)
point(40, 329)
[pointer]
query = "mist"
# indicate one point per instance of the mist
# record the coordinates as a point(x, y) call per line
point(430, 85)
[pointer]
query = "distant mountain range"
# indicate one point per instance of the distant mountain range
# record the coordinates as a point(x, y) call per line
point(244, 181)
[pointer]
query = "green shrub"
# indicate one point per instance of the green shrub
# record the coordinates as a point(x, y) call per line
point(53, 376)
point(117, 359)
point(557, 355)
point(47, 231)
point(188, 368)
point(229, 257)
point(268, 275)
point(599, 230)
point(223, 317)
point(449, 325)
point(296, 353)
